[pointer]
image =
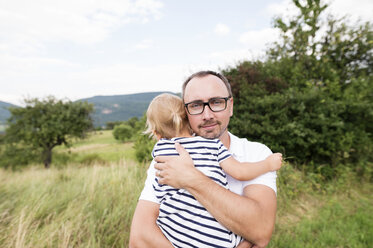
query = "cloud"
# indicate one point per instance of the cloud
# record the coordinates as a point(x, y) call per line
point(257, 40)
point(63, 79)
point(229, 58)
point(144, 44)
point(221, 29)
point(284, 8)
point(358, 9)
point(77, 21)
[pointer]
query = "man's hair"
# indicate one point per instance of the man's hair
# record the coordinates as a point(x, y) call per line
point(166, 116)
point(201, 74)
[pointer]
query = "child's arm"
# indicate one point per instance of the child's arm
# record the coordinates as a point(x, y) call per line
point(246, 170)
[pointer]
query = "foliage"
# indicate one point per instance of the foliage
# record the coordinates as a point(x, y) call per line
point(144, 144)
point(122, 132)
point(111, 124)
point(45, 124)
point(311, 98)
point(143, 148)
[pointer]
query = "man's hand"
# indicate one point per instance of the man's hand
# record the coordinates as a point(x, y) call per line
point(247, 244)
point(176, 171)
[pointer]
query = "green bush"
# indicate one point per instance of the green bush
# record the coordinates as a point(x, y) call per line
point(122, 132)
point(310, 98)
point(143, 148)
point(311, 125)
point(15, 156)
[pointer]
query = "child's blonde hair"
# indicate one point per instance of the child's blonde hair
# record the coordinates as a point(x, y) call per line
point(166, 116)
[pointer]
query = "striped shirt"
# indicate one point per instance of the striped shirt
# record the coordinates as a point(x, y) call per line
point(182, 219)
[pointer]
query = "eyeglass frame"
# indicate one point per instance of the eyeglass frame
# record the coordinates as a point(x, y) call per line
point(208, 104)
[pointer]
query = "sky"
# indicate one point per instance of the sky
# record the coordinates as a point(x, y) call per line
point(75, 49)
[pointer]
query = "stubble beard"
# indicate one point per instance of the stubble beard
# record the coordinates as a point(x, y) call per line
point(213, 134)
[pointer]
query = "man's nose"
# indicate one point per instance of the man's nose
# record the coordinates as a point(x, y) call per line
point(207, 114)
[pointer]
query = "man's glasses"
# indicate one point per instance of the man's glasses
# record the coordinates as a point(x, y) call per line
point(215, 104)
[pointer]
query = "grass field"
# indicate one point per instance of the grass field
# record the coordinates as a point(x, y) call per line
point(99, 148)
point(92, 206)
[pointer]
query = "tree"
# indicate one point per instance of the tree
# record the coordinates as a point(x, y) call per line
point(143, 143)
point(45, 124)
point(311, 98)
point(318, 49)
point(122, 132)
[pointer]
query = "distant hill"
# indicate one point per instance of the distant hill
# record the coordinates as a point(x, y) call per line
point(4, 112)
point(107, 108)
point(120, 107)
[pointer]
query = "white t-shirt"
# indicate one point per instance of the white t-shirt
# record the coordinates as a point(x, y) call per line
point(242, 150)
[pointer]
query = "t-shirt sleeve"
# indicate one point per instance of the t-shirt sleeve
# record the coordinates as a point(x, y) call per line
point(155, 148)
point(223, 152)
point(269, 178)
point(148, 193)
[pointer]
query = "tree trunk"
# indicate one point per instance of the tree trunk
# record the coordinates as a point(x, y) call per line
point(47, 157)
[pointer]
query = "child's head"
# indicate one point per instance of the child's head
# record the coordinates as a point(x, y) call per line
point(166, 116)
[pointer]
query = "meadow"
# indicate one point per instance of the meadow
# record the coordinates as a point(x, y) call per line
point(88, 197)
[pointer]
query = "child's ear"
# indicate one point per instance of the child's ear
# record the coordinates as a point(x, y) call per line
point(157, 135)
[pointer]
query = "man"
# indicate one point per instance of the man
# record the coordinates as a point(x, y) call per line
point(248, 208)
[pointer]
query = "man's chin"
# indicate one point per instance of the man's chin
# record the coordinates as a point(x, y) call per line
point(210, 135)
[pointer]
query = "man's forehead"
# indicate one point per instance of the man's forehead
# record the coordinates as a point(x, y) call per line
point(204, 88)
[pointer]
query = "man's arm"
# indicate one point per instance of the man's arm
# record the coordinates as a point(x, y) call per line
point(252, 215)
point(144, 230)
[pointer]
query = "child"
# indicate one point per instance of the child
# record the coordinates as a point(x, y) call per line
point(182, 219)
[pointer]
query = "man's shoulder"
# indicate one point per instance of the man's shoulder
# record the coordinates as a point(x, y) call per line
point(245, 142)
point(251, 150)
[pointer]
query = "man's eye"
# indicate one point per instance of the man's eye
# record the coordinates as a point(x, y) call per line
point(195, 105)
point(216, 101)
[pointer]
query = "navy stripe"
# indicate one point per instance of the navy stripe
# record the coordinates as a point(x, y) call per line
point(189, 204)
point(219, 172)
point(222, 151)
point(198, 141)
point(168, 154)
point(197, 231)
point(224, 231)
point(206, 166)
point(173, 237)
point(217, 180)
point(165, 142)
point(189, 212)
point(226, 156)
point(164, 149)
point(163, 196)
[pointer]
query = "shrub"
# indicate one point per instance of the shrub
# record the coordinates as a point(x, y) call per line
point(143, 148)
point(122, 132)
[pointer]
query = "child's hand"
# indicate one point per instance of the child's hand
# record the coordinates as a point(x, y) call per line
point(274, 161)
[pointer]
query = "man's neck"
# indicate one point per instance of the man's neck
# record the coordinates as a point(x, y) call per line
point(184, 133)
point(225, 139)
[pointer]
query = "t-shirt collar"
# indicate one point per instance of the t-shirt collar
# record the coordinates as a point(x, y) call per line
point(235, 147)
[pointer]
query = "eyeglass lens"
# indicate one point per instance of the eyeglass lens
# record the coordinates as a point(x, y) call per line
point(215, 104)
